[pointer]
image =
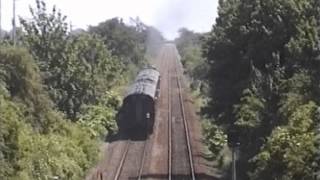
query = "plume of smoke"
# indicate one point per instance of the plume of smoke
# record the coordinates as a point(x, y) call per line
point(195, 15)
point(154, 41)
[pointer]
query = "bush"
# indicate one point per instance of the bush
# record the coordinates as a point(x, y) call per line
point(36, 142)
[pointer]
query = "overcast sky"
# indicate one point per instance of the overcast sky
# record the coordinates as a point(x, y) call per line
point(167, 15)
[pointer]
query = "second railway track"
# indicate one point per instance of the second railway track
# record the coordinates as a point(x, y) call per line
point(180, 152)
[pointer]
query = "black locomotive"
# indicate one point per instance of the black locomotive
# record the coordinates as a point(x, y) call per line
point(138, 109)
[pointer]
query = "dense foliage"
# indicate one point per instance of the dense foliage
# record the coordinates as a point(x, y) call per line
point(264, 59)
point(36, 142)
point(76, 70)
point(257, 71)
point(264, 79)
point(130, 43)
point(58, 95)
point(196, 68)
point(124, 41)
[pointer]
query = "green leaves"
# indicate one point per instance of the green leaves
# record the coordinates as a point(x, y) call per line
point(249, 112)
point(216, 139)
point(125, 42)
point(55, 155)
point(20, 77)
point(67, 76)
point(76, 70)
point(35, 141)
point(10, 120)
point(189, 47)
point(100, 118)
point(290, 150)
point(263, 58)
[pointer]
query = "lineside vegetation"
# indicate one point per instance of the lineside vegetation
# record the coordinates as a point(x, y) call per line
point(264, 59)
point(58, 96)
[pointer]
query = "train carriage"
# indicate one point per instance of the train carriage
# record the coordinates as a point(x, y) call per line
point(138, 109)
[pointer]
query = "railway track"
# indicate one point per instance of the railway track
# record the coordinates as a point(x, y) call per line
point(123, 158)
point(169, 127)
point(125, 162)
point(183, 148)
point(133, 160)
point(186, 128)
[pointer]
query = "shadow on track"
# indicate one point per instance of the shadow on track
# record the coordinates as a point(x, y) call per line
point(133, 136)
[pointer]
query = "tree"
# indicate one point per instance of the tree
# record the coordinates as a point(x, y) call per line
point(124, 41)
point(255, 50)
point(76, 70)
point(189, 46)
point(36, 142)
point(20, 77)
point(290, 151)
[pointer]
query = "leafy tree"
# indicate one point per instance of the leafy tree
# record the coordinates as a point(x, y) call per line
point(124, 41)
point(62, 156)
point(75, 73)
point(216, 139)
point(76, 69)
point(35, 141)
point(9, 119)
point(290, 151)
point(19, 75)
point(263, 58)
point(93, 71)
point(189, 47)
point(100, 118)
point(131, 43)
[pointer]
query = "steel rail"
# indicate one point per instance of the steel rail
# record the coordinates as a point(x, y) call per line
point(123, 158)
point(142, 161)
point(146, 142)
point(169, 125)
point(185, 123)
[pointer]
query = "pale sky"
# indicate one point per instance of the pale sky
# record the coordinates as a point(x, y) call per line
point(166, 15)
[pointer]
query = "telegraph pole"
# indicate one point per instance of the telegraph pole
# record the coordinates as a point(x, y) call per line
point(14, 23)
point(0, 22)
point(234, 172)
point(234, 143)
point(71, 27)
